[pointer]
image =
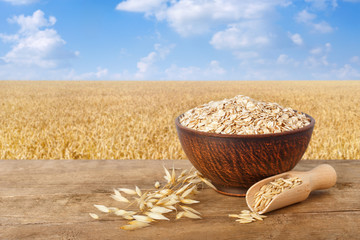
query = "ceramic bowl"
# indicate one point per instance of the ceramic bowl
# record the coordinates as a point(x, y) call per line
point(235, 162)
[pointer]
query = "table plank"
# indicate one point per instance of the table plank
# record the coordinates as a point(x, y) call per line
point(51, 199)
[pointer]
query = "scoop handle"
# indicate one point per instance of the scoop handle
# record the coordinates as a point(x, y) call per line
point(322, 177)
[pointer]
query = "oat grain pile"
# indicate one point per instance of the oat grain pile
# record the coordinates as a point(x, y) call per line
point(243, 115)
point(269, 191)
point(264, 197)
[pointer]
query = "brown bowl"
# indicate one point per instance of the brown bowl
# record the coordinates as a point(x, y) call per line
point(235, 162)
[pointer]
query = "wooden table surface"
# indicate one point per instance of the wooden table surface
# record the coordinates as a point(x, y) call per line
point(51, 199)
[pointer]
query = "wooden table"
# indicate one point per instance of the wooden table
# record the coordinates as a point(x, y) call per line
point(51, 199)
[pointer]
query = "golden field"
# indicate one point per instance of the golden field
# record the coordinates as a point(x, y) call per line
point(135, 120)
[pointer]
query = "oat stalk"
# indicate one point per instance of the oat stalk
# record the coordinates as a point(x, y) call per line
point(153, 205)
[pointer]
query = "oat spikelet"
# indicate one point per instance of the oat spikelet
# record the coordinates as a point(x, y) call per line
point(167, 175)
point(134, 225)
point(190, 209)
point(127, 191)
point(102, 208)
point(142, 218)
point(183, 188)
point(94, 216)
point(247, 217)
point(117, 192)
point(189, 201)
point(138, 191)
point(191, 215)
point(113, 209)
point(180, 215)
point(207, 182)
point(157, 216)
point(154, 204)
point(158, 209)
point(173, 176)
point(187, 192)
point(119, 198)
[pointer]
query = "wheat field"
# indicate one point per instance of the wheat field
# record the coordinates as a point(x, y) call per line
point(135, 120)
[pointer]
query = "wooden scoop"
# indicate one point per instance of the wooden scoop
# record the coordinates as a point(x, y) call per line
point(321, 177)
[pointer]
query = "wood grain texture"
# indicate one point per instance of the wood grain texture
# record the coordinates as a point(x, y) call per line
point(239, 161)
point(51, 199)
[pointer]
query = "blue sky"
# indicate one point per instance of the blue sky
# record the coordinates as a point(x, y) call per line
point(179, 40)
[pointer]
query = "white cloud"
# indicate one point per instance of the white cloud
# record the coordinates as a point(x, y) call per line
point(215, 68)
point(347, 72)
point(145, 65)
point(320, 50)
point(34, 45)
point(308, 18)
point(355, 59)
point(285, 59)
point(189, 17)
point(296, 38)
point(20, 2)
point(282, 59)
point(147, 6)
point(100, 74)
point(305, 17)
point(315, 62)
point(212, 72)
point(30, 24)
point(245, 54)
point(182, 73)
point(322, 27)
point(240, 35)
point(327, 47)
point(316, 51)
point(322, 4)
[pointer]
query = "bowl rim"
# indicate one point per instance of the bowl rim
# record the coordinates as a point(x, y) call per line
point(219, 135)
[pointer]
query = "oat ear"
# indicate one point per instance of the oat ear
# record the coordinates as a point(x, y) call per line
point(167, 174)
